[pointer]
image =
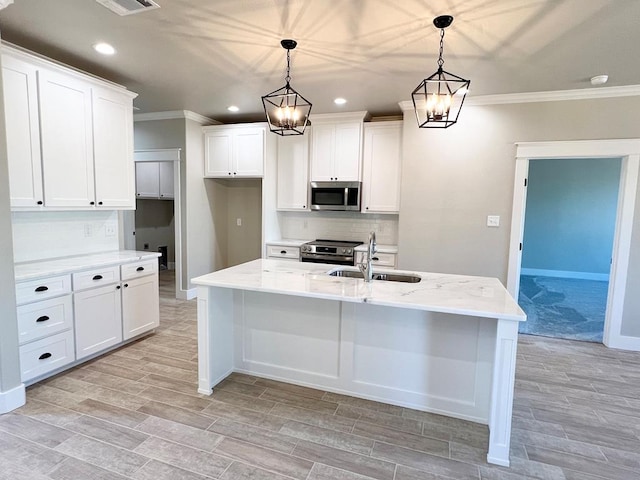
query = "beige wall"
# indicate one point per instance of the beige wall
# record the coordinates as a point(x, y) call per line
point(453, 178)
point(9, 358)
point(155, 226)
point(244, 199)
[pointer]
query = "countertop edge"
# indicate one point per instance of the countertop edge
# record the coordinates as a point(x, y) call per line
point(119, 257)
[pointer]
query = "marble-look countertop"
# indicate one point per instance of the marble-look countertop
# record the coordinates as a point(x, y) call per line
point(379, 248)
point(287, 242)
point(437, 292)
point(60, 266)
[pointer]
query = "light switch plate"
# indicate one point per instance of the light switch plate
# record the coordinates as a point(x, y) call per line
point(493, 220)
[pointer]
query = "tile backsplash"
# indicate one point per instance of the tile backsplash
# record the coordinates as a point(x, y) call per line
point(339, 226)
point(43, 235)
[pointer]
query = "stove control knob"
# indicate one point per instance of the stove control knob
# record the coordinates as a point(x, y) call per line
point(303, 248)
point(349, 251)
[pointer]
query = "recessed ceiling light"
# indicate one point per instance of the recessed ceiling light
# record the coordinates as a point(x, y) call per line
point(340, 101)
point(233, 108)
point(599, 79)
point(104, 48)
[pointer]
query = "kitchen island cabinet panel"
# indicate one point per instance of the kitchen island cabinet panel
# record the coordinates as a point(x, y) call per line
point(446, 344)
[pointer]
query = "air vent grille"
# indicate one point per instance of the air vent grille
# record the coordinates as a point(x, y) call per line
point(128, 7)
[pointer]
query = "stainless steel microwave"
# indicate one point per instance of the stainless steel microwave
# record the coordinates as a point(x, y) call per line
point(336, 196)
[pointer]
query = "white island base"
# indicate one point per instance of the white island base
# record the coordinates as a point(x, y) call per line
point(334, 336)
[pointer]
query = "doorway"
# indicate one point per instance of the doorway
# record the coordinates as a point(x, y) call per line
point(569, 226)
point(155, 225)
point(615, 335)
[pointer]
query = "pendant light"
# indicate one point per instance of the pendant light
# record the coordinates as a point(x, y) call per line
point(287, 111)
point(439, 98)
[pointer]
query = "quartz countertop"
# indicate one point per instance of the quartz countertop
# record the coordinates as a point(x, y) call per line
point(437, 292)
point(379, 248)
point(63, 265)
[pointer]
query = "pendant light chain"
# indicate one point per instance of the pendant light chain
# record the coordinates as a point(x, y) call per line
point(288, 77)
point(440, 59)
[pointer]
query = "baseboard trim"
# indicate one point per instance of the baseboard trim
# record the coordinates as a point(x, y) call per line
point(623, 342)
point(187, 294)
point(12, 399)
point(537, 272)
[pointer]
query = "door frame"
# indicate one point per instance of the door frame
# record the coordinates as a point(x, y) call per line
point(162, 155)
point(629, 151)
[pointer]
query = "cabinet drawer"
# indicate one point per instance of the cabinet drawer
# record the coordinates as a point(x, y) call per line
point(96, 278)
point(46, 355)
point(48, 317)
point(379, 259)
point(278, 251)
point(139, 269)
point(41, 289)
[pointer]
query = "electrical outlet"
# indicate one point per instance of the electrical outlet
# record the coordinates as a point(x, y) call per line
point(493, 220)
point(239, 222)
point(110, 231)
point(145, 246)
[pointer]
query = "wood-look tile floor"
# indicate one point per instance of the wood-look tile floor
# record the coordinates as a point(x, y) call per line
point(135, 413)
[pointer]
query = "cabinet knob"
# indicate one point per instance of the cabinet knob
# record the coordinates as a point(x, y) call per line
point(44, 356)
point(99, 203)
point(283, 252)
point(367, 208)
point(117, 287)
point(229, 173)
point(126, 285)
point(43, 318)
point(39, 202)
point(42, 289)
point(234, 173)
point(137, 194)
point(375, 259)
point(92, 203)
point(304, 206)
point(97, 277)
point(139, 269)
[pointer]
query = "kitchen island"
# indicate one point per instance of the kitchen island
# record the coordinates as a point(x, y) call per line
point(446, 344)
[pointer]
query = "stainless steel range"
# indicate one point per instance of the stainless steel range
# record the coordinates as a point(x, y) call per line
point(337, 252)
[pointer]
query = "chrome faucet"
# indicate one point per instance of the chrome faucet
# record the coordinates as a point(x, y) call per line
point(365, 267)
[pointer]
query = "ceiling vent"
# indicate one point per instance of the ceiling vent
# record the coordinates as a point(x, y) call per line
point(128, 7)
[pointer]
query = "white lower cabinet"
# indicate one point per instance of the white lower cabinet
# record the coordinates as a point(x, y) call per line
point(283, 252)
point(67, 318)
point(46, 355)
point(387, 260)
point(140, 306)
point(98, 315)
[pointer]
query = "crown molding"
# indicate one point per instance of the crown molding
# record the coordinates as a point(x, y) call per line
point(550, 96)
point(173, 115)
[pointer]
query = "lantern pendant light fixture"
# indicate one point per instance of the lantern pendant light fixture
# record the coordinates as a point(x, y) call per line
point(287, 111)
point(438, 99)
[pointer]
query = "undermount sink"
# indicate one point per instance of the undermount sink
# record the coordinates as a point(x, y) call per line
point(384, 276)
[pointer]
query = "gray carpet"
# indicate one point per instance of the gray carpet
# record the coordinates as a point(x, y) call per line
point(563, 307)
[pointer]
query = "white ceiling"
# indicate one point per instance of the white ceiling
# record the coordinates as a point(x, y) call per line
point(204, 55)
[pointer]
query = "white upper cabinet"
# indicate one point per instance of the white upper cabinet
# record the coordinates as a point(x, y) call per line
point(113, 148)
point(69, 137)
point(67, 141)
point(382, 167)
point(234, 151)
point(293, 172)
point(154, 180)
point(336, 147)
point(23, 142)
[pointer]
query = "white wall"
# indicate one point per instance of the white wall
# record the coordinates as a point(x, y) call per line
point(453, 178)
point(9, 358)
point(42, 235)
point(338, 226)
